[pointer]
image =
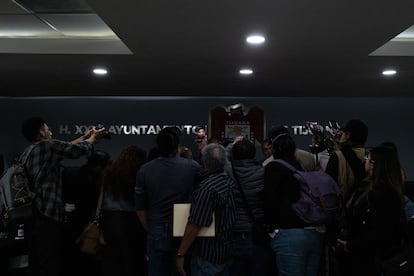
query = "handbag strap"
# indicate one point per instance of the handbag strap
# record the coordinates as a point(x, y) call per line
point(243, 195)
point(100, 200)
point(25, 156)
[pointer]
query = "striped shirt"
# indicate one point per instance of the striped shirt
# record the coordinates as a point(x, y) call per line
point(43, 167)
point(214, 195)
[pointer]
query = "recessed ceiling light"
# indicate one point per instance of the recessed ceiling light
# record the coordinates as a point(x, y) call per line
point(389, 72)
point(255, 39)
point(100, 71)
point(246, 71)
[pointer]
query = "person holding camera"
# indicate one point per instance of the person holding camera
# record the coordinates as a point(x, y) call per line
point(201, 141)
point(346, 166)
point(43, 167)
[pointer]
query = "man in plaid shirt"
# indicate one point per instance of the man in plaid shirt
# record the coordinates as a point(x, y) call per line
point(43, 168)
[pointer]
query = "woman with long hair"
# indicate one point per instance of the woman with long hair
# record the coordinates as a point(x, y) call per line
point(124, 253)
point(377, 221)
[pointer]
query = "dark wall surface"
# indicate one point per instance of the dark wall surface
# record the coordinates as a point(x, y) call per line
point(388, 119)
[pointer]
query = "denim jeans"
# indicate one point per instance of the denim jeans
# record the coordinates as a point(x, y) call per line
point(202, 267)
point(298, 251)
point(161, 254)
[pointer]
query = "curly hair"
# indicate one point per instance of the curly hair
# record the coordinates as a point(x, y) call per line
point(31, 127)
point(119, 177)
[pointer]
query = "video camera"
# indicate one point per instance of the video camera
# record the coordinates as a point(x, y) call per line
point(323, 138)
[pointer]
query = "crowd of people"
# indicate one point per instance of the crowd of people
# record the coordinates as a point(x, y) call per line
point(224, 183)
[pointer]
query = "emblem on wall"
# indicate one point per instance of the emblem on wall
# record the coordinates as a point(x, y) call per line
point(225, 123)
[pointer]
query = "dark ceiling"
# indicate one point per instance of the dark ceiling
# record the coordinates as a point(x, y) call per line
point(191, 47)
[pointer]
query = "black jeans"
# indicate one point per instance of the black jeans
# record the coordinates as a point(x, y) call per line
point(124, 252)
point(45, 246)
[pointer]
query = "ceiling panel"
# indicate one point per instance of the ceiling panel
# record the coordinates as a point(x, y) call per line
point(10, 7)
point(51, 6)
point(312, 48)
point(63, 46)
point(27, 25)
point(61, 33)
point(79, 25)
point(401, 45)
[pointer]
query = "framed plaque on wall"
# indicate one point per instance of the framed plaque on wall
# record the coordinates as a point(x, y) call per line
point(225, 123)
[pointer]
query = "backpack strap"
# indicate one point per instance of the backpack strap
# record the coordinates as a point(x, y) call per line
point(25, 155)
point(354, 162)
point(23, 160)
point(358, 172)
point(98, 210)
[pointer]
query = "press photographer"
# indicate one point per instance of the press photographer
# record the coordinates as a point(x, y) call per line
point(200, 142)
point(43, 157)
point(324, 141)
